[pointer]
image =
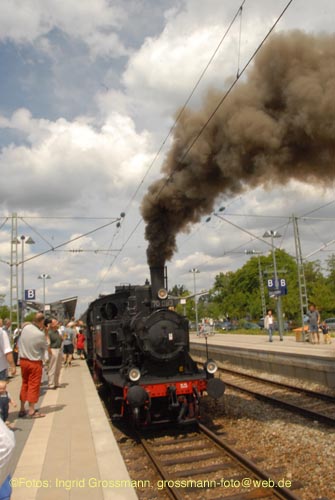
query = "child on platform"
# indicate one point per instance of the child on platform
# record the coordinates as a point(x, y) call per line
point(5, 400)
point(326, 334)
point(81, 344)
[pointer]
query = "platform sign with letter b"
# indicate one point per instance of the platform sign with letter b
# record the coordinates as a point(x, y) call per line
point(30, 294)
point(279, 288)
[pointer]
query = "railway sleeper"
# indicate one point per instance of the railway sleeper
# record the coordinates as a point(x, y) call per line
point(191, 459)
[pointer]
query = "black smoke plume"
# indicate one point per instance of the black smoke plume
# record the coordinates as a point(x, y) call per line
point(277, 125)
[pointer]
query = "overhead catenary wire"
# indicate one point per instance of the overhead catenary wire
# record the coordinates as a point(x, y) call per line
point(317, 209)
point(2, 225)
point(234, 250)
point(69, 217)
point(202, 74)
point(4, 222)
point(302, 217)
point(37, 232)
point(286, 224)
point(202, 225)
point(239, 43)
point(243, 230)
point(198, 135)
point(182, 109)
point(84, 250)
point(321, 249)
point(117, 255)
point(116, 233)
point(69, 241)
point(53, 247)
point(285, 233)
point(243, 245)
point(224, 97)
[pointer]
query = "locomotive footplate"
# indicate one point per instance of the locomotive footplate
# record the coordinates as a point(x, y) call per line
point(156, 388)
point(179, 387)
point(213, 386)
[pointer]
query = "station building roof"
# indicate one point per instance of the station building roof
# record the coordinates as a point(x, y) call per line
point(63, 309)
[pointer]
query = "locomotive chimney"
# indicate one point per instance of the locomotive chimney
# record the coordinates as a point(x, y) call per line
point(158, 279)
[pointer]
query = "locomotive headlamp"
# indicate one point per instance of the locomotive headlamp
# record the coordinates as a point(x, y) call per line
point(134, 374)
point(162, 294)
point(211, 366)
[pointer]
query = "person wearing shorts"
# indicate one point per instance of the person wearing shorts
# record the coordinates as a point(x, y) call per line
point(7, 464)
point(81, 344)
point(69, 336)
point(32, 347)
point(314, 321)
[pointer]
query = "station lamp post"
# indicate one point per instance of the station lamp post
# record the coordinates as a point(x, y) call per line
point(44, 277)
point(194, 271)
point(274, 234)
point(23, 240)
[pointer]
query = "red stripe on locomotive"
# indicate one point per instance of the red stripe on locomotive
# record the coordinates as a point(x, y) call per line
point(161, 390)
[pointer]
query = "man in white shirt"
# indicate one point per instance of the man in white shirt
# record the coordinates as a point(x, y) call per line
point(6, 356)
point(7, 444)
point(32, 347)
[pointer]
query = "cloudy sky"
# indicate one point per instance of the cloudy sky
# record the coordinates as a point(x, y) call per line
point(88, 92)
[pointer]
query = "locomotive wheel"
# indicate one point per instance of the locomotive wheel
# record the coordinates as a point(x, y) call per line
point(138, 417)
point(133, 416)
point(97, 375)
point(115, 403)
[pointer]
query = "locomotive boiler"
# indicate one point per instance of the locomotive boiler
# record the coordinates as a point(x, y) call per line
point(138, 348)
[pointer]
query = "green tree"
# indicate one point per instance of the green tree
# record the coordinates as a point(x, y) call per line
point(30, 316)
point(4, 312)
point(318, 291)
point(183, 309)
point(330, 275)
point(320, 288)
point(238, 293)
point(179, 291)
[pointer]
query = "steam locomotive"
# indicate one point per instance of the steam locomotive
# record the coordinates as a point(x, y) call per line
point(138, 348)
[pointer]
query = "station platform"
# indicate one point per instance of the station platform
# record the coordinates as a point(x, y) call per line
point(301, 360)
point(71, 453)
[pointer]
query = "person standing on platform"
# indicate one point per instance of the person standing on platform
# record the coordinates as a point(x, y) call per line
point(32, 348)
point(6, 327)
point(314, 321)
point(5, 401)
point(7, 445)
point(56, 358)
point(81, 343)
point(269, 324)
point(6, 356)
point(326, 334)
point(69, 338)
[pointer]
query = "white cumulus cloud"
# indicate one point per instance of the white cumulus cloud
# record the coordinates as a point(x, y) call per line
point(94, 23)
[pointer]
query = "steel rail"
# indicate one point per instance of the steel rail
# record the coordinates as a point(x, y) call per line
point(277, 401)
point(222, 446)
point(279, 492)
point(300, 390)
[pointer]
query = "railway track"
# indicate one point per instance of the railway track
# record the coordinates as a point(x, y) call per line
point(320, 407)
point(200, 465)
